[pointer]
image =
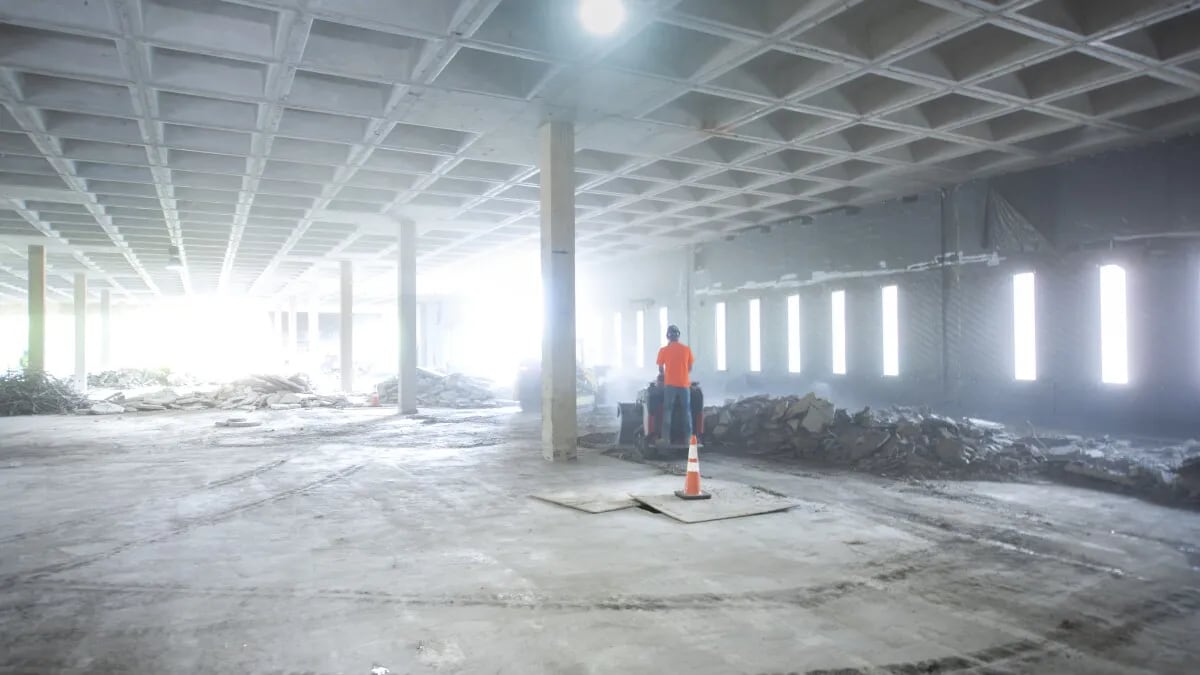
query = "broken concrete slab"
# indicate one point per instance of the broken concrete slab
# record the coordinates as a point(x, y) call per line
point(106, 408)
point(610, 496)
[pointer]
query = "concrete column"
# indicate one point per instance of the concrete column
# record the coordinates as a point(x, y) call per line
point(314, 326)
point(406, 310)
point(37, 308)
point(347, 326)
point(293, 324)
point(556, 161)
point(81, 332)
point(105, 330)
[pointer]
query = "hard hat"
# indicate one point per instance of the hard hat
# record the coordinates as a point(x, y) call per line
point(672, 332)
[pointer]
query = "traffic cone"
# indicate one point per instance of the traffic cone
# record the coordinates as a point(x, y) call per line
point(691, 484)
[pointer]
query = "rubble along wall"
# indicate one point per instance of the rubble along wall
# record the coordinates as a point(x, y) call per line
point(953, 253)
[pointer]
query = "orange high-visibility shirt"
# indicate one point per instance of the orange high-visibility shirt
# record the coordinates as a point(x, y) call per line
point(676, 360)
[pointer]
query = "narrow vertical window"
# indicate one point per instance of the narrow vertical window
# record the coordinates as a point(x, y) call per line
point(720, 327)
point(662, 326)
point(838, 332)
point(618, 356)
point(1024, 327)
point(891, 331)
point(640, 338)
point(1114, 336)
point(755, 336)
point(793, 333)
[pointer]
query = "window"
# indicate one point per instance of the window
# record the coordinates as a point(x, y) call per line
point(891, 331)
point(720, 322)
point(640, 339)
point(618, 357)
point(1024, 327)
point(1114, 337)
point(838, 334)
point(662, 326)
point(793, 333)
point(755, 336)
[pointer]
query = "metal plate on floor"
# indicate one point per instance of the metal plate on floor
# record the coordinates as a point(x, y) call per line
point(729, 500)
point(593, 502)
point(608, 497)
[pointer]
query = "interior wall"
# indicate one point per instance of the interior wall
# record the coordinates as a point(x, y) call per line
point(952, 254)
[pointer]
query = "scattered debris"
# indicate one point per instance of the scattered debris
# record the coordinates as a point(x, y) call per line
point(134, 378)
point(36, 393)
point(250, 393)
point(919, 444)
point(435, 390)
point(238, 422)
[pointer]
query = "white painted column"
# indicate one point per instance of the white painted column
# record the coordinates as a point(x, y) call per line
point(37, 308)
point(105, 330)
point(556, 161)
point(293, 325)
point(81, 332)
point(347, 326)
point(314, 326)
point(406, 311)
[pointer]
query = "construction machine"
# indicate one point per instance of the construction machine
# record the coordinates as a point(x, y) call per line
point(642, 421)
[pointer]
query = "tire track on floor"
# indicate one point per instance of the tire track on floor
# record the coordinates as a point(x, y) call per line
point(106, 513)
point(1092, 636)
point(191, 524)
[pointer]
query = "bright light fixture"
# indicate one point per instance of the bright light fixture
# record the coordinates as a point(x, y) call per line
point(602, 17)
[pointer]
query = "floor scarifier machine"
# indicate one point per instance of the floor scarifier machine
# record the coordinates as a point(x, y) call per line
point(642, 421)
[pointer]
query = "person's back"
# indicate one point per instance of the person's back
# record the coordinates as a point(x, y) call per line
point(675, 363)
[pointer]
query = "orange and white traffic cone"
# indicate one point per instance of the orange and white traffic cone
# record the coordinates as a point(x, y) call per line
point(691, 484)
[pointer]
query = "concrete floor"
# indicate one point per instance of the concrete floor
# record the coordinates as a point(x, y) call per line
point(335, 541)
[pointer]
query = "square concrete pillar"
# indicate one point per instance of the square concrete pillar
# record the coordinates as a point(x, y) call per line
point(406, 310)
point(36, 288)
point(81, 332)
point(293, 325)
point(346, 334)
point(105, 330)
point(556, 161)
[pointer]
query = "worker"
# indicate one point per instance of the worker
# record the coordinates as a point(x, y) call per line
point(675, 369)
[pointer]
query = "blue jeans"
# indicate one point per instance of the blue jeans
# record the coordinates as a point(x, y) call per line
point(670, 395)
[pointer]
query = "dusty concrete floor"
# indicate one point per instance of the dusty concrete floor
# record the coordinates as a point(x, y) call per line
point(334, 541)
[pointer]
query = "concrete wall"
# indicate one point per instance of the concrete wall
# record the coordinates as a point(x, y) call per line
point(952, 254)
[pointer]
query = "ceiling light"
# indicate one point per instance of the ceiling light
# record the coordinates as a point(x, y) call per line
point(601, 17)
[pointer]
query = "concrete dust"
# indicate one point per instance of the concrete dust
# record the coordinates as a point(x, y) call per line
point(162, 543)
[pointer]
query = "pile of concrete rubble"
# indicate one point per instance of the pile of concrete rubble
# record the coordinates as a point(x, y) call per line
point(134, 378)
point(250, 393)
point(435, 390)
point(919, 444)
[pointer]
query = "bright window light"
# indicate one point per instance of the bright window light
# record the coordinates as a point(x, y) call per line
point(755, 336)
point(640, 340)
point(1024, 327)
point(793, 333)
point(618, 357)
point(662, 326)
point(1114, 336)
point(720, 321)
point(891, 331)
point(602, 17)
point(838, 334)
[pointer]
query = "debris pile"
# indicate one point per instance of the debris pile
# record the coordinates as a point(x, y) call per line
point(435, 390)
point(35, 393)
point(250, 393)
point(133, 378)
point(919, 444)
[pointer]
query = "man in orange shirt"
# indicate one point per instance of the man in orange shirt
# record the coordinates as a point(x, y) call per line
point(675, 367)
